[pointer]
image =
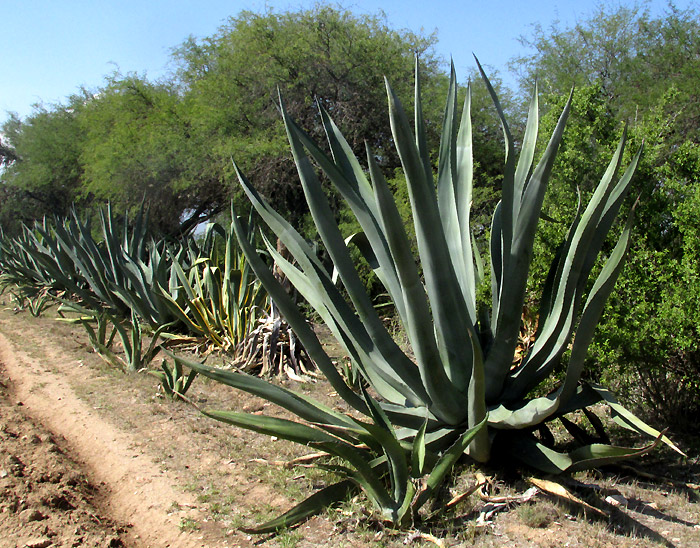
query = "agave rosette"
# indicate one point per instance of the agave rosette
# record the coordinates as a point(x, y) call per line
point(460, 374)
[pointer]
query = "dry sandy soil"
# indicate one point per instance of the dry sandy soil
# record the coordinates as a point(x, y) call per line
point(90, 456)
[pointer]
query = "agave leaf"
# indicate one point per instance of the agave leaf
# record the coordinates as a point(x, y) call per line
point(418, 319)
point(310, 506)
point(575, 267)
point(294, 317)
point(447, 202)
point(508, 207)
point(628, 420)
point(449, 310)
point(345, 158)
point(335, 245)
point(463, 183)
point(300, 405)
point(527, 152)
point(593, 308)
point(351, 182)
point(446, 462)
point(421, 141)
point(273, 426)
point(363, 471)
point(610, 211)
point(348, 330)
point(385, 435)
point(496, 256)
point(506, 320)
point(527, 449)
point(539, 409)
point(418, 453)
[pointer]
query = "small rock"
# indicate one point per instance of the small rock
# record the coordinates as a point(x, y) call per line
point(53, 476)
point(39, 543)
point(58, 501)
point(31, 514)
point(616, 500)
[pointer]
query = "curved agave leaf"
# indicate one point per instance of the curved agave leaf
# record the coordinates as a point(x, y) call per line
point(291, 312)
point(572, 275)
point(310, 506)
point(450, 317)
point(349, 331)
point(335, 245)
point(302, 406)
point(418, 319)
point(528, 450)
point(628, 420)
point(540, 409)
point(447, 461)
point(516, 250)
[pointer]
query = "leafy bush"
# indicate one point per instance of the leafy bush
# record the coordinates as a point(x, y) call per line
point(646, 346)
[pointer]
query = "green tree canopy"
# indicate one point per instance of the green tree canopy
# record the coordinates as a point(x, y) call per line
point(324, 55)
point(140, 147)
point(41, 173)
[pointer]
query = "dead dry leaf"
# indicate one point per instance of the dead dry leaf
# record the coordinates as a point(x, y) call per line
point(557, 489)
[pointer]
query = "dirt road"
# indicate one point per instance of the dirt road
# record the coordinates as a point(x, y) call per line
point(114, 476)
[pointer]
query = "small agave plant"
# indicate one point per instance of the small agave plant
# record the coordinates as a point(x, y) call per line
point(458, 393)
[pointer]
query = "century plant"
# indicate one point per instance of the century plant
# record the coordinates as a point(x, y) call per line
point(173, 380)
point(219, 302)
point(426, 406)
point(102, 327)
point(30, 260)
point(117, 272)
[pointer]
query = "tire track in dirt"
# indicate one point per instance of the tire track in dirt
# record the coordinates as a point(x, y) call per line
point(135, 490)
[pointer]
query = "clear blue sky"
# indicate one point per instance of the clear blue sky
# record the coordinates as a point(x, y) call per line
point(51, 48)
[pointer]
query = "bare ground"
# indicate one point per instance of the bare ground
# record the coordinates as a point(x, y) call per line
point(90, 456)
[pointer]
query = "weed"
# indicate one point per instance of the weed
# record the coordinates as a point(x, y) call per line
point(537, 515)
point(289, 538)
point(188, 525)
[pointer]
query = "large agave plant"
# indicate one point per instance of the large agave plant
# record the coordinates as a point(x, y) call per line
point(425, 410)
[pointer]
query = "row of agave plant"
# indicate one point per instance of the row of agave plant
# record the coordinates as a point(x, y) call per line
point(200, 290)
point(456, 392)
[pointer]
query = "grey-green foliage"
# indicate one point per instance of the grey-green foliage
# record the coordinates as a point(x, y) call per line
point(205, 289)
point(97, 326)
point(461, 374)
